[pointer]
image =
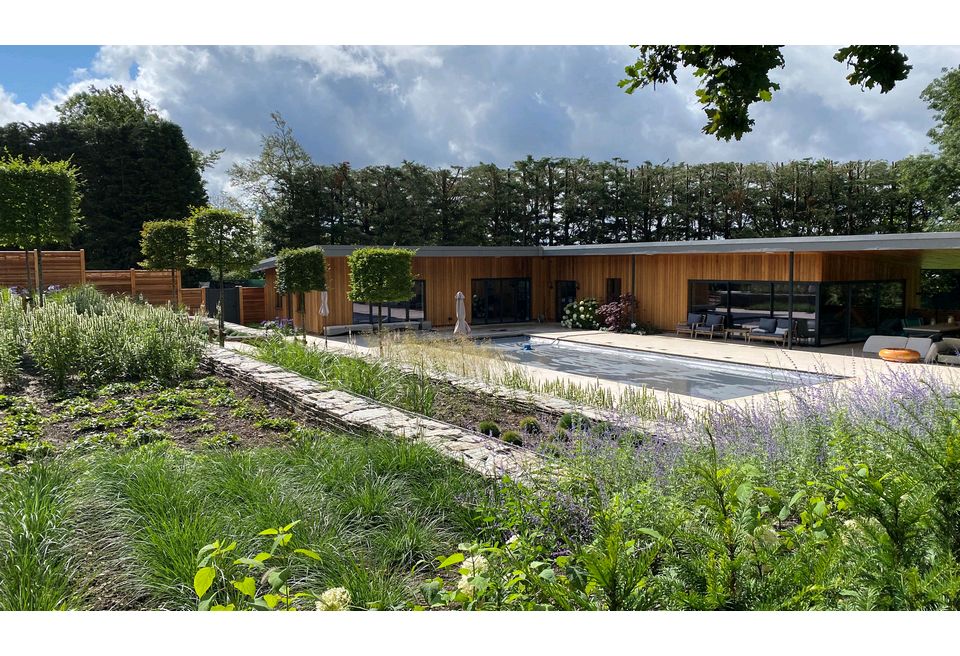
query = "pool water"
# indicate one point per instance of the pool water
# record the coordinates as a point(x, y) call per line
point(705, 379)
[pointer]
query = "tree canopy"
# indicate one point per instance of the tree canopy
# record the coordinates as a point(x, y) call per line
point(732, 78)
point(380, 275)
point(106, 107)
point(39, 202)
point(301, 270)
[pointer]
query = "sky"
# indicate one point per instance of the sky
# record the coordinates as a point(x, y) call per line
point(461, 105)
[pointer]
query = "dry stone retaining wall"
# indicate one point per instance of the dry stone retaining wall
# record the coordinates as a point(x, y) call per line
point(310, 400)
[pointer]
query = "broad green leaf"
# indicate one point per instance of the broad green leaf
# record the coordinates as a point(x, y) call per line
point(765, 95)
point(268, 531)
point(227, 607)
point(451, 560)
point(277, 577)
point(308, 553)
point(271, 600)
point(290, 525)
point(247, 586)
point(203, 579)
point(652, 533)
point(547, 574)
point(262, 556)
point(249, 562)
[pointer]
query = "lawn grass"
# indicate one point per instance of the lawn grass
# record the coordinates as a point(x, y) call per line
point(121, 529)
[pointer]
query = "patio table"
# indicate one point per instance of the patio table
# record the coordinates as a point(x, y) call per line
point(932, 330)
point(741, 332)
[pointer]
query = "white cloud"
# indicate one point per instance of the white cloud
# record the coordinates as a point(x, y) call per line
point(461, 105)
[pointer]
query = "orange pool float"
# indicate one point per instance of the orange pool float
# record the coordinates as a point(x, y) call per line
point(899, 355)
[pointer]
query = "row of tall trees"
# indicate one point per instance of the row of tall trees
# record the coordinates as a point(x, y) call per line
point(569, 201)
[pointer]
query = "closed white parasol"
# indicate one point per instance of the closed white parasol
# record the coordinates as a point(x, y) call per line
point(324, 312)
point(462, 327)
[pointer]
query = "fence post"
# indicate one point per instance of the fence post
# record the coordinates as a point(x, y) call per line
point(36, 267)
point(133, 284)
point(240, 303)
point(83, 267)
point(203, 302)
point(179, 288)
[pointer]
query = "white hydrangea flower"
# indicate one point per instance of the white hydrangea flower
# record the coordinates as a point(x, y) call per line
point(475, 565)
point(464, 586)
point(334, 599)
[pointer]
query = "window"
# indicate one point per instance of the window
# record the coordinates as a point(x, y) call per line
point(399, 311)
point(500, 300)
point(613, 289)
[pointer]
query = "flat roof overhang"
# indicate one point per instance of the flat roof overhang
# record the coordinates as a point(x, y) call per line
point(933, 250)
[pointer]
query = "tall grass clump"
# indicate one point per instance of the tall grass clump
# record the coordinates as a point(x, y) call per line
point(373, 379)
point(12, 336)
point(86, 338)
point(36, 567)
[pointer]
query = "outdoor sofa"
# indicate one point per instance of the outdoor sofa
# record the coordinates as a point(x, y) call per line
point(771, 330)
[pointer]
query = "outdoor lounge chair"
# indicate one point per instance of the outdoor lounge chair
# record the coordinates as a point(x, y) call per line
point(714, 325)
point(690, 327)
point(772, 330)
point(929, 350)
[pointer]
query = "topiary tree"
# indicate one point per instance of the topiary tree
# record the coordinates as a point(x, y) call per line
point(380, 275)
point(301, 270)
point(39, 205)
point(166, 245)
point(222, 240)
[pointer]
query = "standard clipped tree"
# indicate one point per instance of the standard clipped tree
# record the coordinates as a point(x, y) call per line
point(301, 270)
point(39, 205)
point(222, 240)
point(380, 275)
point(166, 245)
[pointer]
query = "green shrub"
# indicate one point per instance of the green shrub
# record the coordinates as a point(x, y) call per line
point(12, 335)
point(115, 340)
point(573, 421)
point(512, 437)
point(530, 426)
point(582, 314)
point(488, 427)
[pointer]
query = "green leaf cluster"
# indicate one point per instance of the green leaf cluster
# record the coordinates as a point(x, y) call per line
point(733, 77)
point(301, 270)
point(380, 275)
point(39, 202)
point(165, 245)
point(222, 239)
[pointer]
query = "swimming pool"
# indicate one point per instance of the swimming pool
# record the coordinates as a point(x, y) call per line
point(705, 379)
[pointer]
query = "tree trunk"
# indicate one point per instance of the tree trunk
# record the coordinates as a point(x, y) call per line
point(40, 275)
point(303, 315)
point(173, 288)
point(26, 261)
point(220, 309)
point(380, 326)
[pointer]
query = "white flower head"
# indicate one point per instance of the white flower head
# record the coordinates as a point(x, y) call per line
point(466, 587)
point(334, 599)
point(475, 565)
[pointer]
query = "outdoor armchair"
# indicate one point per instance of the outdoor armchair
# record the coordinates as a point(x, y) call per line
point(689, 327)
point(714, 325)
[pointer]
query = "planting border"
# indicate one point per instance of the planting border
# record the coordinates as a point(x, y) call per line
point(310, 400)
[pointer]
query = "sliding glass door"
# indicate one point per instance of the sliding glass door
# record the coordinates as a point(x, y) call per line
point(500, 300)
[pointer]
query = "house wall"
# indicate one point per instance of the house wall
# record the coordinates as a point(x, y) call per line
point(660, 282)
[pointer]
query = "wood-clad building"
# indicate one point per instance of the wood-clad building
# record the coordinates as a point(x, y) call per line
point(843, 288)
